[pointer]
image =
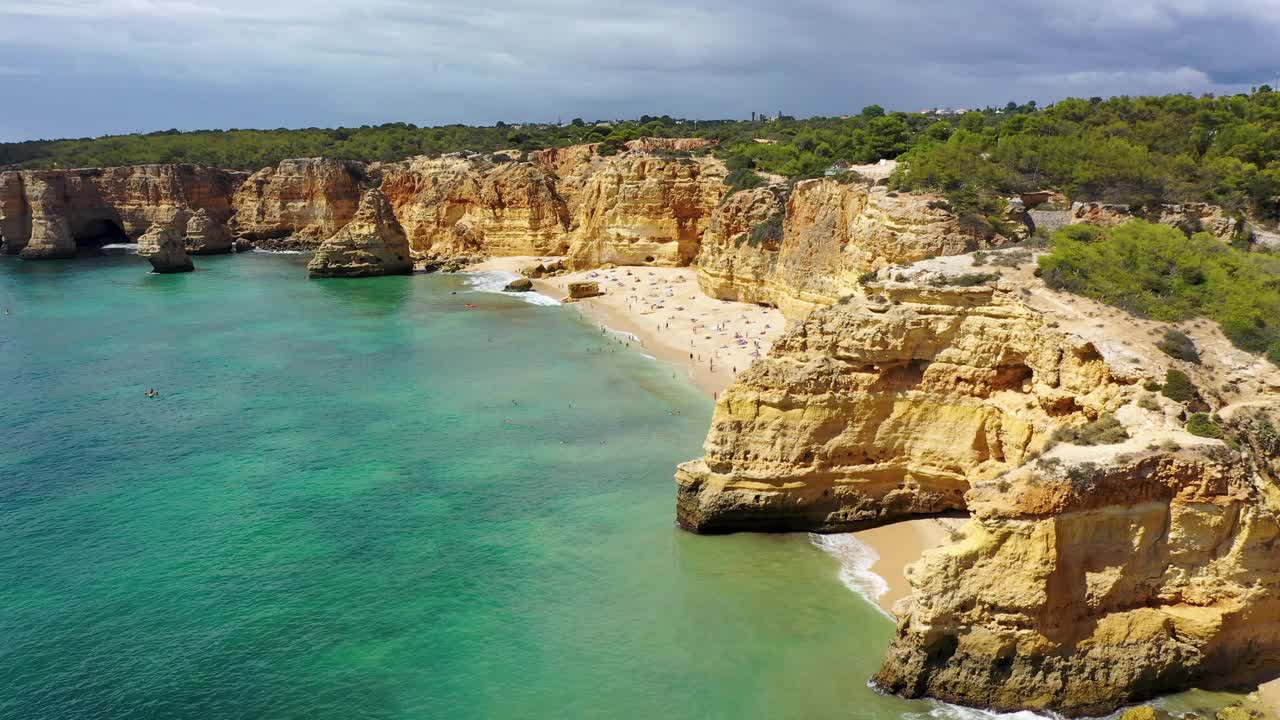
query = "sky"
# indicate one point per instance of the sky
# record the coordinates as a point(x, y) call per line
point(75, 68)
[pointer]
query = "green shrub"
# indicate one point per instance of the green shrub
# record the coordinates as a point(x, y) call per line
point(1202, 425)
point(1176, 344)
point(1178, 386)
point(1148, 402)
point(967, 279)
point(743, 179)
point(1156, 271)
point(1106, 430)
point(768, 233)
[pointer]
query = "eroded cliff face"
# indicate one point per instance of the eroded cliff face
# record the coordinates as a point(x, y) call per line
point(373, 243)
point(637, 209)
point(1091, 574)
point(458, 206)
point(1081, 585)
point(738, 257)
point(888, 406)
point(298, 203)
point(832, 233)
point(54, 211)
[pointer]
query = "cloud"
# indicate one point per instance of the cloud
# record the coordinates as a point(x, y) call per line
point(147, 64)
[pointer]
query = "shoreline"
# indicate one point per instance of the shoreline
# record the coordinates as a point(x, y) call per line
point(671, 319)
point(654, 305)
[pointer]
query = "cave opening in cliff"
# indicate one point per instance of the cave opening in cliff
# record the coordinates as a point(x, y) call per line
point(96, 233)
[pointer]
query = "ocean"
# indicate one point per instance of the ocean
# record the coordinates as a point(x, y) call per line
point(360, 499)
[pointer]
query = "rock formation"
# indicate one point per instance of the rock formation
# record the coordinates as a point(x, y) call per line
point(519, 285)
point(832, 233)
point(635, 209)
point(372, 243)
point(102, 205)
point(455, 205)
point(1092, 572)
point(738, 257)
point(205, 235)
point(1188, 217)
point(163, 247)
point(298, 203)
point(888, 406)
point(584, 289)
point(1090, 581)
point(48, 233)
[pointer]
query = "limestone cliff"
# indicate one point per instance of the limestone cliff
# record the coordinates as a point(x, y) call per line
point(888, 406)
point(1094, 571)
point(738, 257)
point(102, 205)
point(371, 244)
point(456, 206)
point(638, 209)
point(298, 203)
point(1087, 582)
point(832, 232)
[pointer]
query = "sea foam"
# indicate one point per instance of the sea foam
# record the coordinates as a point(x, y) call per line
point(856, 560)
point(495, 280)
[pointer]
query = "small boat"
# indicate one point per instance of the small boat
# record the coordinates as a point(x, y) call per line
point(469, 306)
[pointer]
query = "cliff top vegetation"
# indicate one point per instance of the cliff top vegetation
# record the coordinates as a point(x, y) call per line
point(1130, 150)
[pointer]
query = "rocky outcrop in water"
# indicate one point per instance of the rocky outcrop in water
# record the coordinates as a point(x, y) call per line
point(55, 211)
point(371, 244)
point(205, 235)
point(298, 203)
point(164, 248)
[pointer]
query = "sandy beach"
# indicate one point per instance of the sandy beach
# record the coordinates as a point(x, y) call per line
point(711, 341)
point(900, 544)
point(669, 317)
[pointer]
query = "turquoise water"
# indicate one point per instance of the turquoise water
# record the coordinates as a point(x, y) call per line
point(357, 499)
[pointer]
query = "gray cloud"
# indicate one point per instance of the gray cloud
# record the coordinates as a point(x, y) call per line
point(86, 67)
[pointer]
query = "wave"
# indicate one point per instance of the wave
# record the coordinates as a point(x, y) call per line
point(133, 247)
point(856, 560)
point(495, 280)
point(947, 711)
point(281, 252)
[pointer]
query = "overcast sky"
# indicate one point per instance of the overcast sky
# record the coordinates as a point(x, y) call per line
point(73, 68)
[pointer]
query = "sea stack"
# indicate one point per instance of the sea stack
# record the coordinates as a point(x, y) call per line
point(373, 243)
point(163, 246)
point(206, 236)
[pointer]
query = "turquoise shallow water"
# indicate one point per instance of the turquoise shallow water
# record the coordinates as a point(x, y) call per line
point(356, 499)
point(336, 510)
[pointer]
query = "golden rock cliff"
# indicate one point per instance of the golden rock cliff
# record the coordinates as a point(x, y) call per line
point(298, 203)
point(1080, 585)
point(1091, 573)
point(639, 209)
point(455, 205)
point(373, 243)
point(888, 406)
point(54, 211)
point(831, 233)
